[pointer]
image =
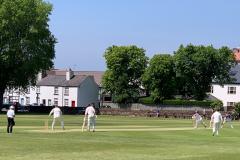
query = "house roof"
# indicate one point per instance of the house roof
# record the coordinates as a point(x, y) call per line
point(235, 73)
point(60, 80)
point(97, 75)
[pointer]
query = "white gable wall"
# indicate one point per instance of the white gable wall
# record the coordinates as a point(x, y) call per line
point(47, 93)
point(221, 93)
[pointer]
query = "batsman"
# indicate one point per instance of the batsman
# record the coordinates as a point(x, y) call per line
point(90, 115)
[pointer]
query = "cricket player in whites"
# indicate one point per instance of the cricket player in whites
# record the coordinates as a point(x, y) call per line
point(90, 114)
point(216, 120)
point(197, 119)
point(57, 115)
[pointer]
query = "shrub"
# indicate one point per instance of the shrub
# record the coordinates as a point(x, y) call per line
point(146, 100)
point(217, 105)
point(237, 109)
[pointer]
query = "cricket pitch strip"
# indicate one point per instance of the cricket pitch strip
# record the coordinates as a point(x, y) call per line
point(101, 129)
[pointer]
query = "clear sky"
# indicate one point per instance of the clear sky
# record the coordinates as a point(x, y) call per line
point(85, 28)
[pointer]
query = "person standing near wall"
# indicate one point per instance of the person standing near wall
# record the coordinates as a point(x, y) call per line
point(10, 119)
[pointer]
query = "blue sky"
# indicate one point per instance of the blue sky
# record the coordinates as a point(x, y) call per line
point(85, 28)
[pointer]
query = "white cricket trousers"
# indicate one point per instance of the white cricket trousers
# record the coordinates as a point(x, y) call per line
point(216, 127)
point(57, 119)
point(91, 123)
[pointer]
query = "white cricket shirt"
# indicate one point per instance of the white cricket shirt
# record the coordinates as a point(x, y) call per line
point(10, 113)
point(56, 112)
point(90, 111)
point(216, 117)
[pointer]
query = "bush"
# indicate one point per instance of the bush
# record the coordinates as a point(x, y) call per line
point(237, 107)
point(217, 105)
point(146, 100)
point(237, 110)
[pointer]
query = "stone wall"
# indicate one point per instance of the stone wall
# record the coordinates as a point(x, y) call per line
point(154, 113)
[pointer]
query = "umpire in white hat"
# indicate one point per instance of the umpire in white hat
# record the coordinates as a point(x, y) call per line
point(10, 119)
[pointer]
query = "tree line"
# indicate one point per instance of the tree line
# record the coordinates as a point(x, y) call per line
point(188, 72)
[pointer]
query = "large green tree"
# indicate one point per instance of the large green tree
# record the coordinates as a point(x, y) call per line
point(198, 66)
point(26, 43)
point(125, 66)
point(159, 77)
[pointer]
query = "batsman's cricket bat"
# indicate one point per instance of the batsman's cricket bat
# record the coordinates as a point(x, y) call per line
point(84, 123)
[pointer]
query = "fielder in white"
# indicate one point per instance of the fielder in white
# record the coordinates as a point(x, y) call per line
point(90, 114)
point(57, 115)
point(10, 118)
point(198, 120)
point(216, 120)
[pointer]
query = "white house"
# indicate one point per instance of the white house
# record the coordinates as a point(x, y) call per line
point(229, 94)
point(66, 89)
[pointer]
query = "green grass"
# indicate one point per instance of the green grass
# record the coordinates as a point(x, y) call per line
point(117, 138)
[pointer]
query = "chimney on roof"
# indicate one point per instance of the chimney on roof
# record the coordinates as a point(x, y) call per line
point(69, 74)
point(41, 75)
point(236, 52)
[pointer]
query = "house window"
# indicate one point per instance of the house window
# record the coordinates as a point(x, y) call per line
point(55, 101)
point(10, 99)
point(231, 90)
point(66, 91)
point(22, 101)
point(211, 89)
point(5, 100)
point(56, 90)
point(49, 102)
point(27, 100)
point(28, 90)
point(230, 104)
point(65, 102)
point(44, 102)
point(106, 98)
point(38, 89)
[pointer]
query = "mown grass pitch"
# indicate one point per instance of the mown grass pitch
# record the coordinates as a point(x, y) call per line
point(116, 138)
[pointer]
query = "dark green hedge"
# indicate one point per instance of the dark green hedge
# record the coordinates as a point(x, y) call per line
point(148, 100)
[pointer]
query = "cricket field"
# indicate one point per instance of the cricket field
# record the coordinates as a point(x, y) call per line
point(116, 138)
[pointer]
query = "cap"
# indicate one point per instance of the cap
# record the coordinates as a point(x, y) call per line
point(11, 107)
